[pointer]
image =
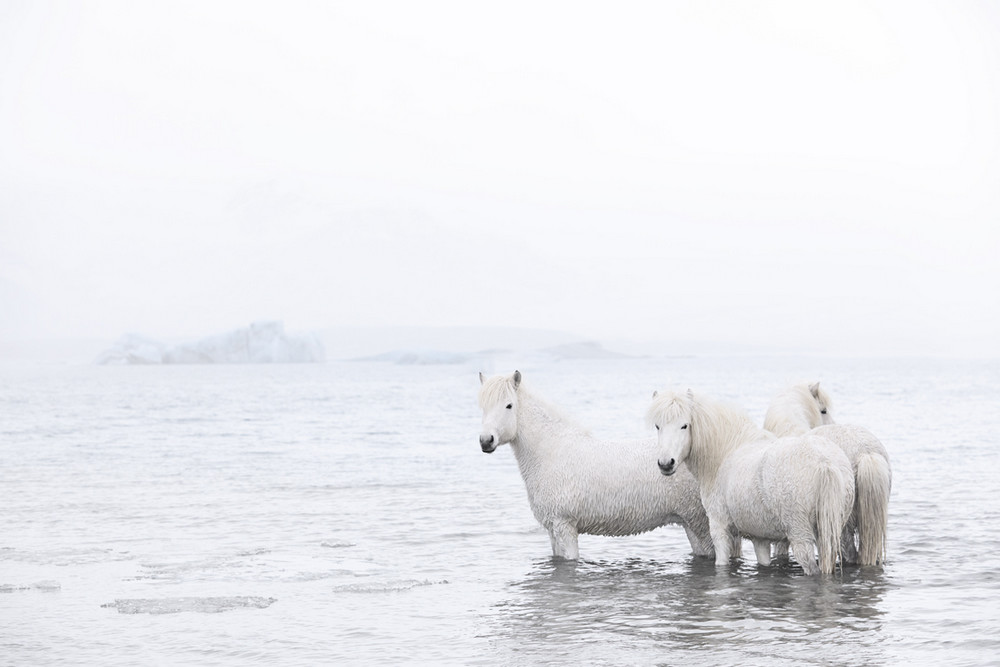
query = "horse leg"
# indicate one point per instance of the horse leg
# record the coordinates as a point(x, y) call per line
point(762, 548)
point(565, 541)
point(781, 549)
point(805, 554)
point(737, 551)
point(699, 546)
point(848, 550)
point(722, 540)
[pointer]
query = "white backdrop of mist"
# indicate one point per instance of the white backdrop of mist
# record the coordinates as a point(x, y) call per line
point(784, 175)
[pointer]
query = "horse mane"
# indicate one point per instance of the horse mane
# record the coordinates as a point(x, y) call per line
point(795, 411)
point(715, 420)
point(723, 425)
point(667, 406)
point(500, 389)
point(497, 389)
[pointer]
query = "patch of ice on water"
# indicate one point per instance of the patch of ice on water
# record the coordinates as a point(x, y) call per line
point(394, 586)
point(254, 552)
point(337, 544)
point(207, 605)
point(64, 557)
point(46, 586)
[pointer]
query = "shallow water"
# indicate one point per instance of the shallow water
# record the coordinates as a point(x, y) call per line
point(343, 513)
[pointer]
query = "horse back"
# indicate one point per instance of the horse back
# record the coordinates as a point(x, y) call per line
point(770, 488)
point(853, 440)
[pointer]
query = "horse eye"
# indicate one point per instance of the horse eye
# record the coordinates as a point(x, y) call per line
point(822, 412)
point(510, 405)
point(684, 427)
point(657, 427)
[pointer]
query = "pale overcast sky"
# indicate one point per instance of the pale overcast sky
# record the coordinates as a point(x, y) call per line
point(797, 175)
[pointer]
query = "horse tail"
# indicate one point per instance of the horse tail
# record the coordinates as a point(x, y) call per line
point(871, 507)
point(836, 498)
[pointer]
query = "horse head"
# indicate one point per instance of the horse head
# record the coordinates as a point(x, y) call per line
point(670, 413)
point(498, 399)
point(823, 403)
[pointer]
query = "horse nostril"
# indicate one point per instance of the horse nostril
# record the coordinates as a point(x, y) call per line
point(666, 468)
point(486, 440)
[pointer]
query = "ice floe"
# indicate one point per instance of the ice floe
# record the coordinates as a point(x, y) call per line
point(393, 586)
point(205, 605)
point(45, 586)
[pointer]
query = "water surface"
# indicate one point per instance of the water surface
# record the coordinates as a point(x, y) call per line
point(343, 512)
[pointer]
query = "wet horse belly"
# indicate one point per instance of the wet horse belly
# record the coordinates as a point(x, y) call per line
point(753, 519)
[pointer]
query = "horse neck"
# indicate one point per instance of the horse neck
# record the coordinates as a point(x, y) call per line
point(538, 423)
point(716, 431)
point(780, 423)
point(790, 414)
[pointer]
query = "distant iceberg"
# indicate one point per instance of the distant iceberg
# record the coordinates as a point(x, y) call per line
point(262, 342)
point(133, 349)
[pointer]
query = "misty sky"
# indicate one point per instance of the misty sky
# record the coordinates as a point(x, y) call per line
point(771, 173)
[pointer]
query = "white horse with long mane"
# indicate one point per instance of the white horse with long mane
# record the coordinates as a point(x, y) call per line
point(807, 408)
point(579, 484)
point(768, 489)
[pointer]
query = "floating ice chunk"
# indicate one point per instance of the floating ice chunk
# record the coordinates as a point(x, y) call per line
point(337, 544)
point(45, 586)
point(395, 586)
point(209, 605)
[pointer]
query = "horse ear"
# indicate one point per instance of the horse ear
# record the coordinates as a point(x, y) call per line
point(690, 394)
point(482, 378)
point(517, 379)
point(814, 389)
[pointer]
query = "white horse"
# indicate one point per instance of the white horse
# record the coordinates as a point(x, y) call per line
point(579, 484)
point(806, 408)
point(753, 484)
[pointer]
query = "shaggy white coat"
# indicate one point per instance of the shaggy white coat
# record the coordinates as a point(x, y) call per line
point(807, 408)
point(577, 483)
point(799, 489)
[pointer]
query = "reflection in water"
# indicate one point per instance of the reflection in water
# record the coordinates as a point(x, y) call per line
point(603, 611)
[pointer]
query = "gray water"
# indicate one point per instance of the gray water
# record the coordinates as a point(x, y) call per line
point(343, 513)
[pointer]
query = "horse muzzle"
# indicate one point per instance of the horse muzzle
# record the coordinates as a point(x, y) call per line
point(488, 443)
point(668, 468)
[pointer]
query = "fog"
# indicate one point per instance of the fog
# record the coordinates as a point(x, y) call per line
point(771, 176)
